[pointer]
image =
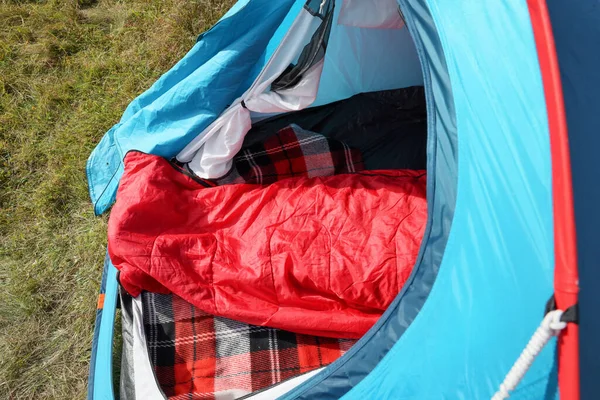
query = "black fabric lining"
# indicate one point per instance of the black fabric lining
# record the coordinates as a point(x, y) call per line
point(313, 7)
point(389, 127)
point(570, 315)
point(185, 169)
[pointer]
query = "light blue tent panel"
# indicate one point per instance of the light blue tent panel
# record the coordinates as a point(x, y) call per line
point(497, 270)
point(356, 62)
point(101, 371)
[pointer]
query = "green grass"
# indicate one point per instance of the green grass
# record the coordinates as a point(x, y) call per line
point(68, 69)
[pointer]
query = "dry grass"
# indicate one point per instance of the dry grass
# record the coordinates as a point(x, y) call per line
point(67, 71)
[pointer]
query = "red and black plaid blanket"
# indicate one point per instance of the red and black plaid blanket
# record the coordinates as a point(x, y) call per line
point(198, 356)
point(291, 152)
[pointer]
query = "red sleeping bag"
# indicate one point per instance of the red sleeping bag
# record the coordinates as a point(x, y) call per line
point(320, 256)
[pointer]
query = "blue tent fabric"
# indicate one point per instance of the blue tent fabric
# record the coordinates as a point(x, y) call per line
point(97, 322)
point(100, 385)
point(497, 269)
point(576, 27)
point(485, 269)
point(190, 96)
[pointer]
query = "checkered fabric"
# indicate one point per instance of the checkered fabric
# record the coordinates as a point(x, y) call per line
point(199, 356)
point(291, 152)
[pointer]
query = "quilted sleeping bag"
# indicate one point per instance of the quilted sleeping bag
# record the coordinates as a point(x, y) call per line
point(320, 256)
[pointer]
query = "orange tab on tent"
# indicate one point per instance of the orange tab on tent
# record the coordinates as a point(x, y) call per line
point(100, 301)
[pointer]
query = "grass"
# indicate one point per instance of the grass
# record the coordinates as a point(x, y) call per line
point(68, 69)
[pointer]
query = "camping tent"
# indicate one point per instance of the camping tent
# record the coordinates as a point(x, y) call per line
point(500, 236)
